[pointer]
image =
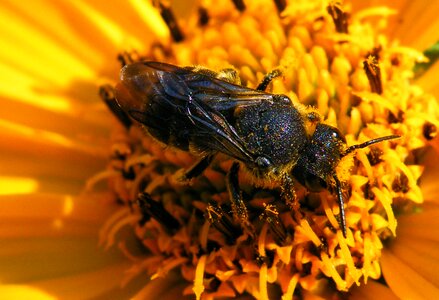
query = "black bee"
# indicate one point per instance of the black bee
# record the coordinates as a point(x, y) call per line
point(194, 110)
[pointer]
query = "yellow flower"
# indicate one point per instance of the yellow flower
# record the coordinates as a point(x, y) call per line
point(57, 135)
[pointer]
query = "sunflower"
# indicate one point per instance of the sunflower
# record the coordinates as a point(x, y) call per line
point(85, 233)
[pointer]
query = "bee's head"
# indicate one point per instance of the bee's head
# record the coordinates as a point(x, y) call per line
point(320, 157)
point(322, 154)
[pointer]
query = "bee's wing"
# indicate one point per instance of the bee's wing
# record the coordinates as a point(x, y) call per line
point(214, 132)
point(151, 92)
point(216, 93)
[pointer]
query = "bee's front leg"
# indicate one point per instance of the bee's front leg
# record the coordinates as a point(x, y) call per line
point(239, 210)
point(268, 78)
point(128, 57)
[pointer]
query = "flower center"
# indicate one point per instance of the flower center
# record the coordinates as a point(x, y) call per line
point(328, 60)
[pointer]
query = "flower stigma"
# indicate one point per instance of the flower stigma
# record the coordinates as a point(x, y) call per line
point(337, 65)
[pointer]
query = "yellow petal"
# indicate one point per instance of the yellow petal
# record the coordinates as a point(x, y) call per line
point(411, 263)
point(371, 291)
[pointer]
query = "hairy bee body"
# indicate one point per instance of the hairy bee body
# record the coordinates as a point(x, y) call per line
point(196, 111)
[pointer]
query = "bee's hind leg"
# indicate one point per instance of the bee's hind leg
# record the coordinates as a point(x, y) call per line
point(155, 209)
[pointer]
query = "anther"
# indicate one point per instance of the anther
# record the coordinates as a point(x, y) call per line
point(339, 17)
point(280, 5)
point(239, 4)
point(169, 18)
point(373, 73)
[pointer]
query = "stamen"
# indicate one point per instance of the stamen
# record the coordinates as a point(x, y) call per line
point(401, 183)
point(156, 210)
point(351, 269)
point(375, 52)
point(374, 156)
point(199, 276)
point(169, 18)
point(223, 223)
point(239, 4)
point(330, 267)
point(106, 92)
point(395, 118)
point(373, 73)
point(291, 287)
point(386, 201)
point(263, 293)
point(339, 16)
point(271, 217)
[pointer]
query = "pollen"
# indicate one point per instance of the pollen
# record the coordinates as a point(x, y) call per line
point(343, 70)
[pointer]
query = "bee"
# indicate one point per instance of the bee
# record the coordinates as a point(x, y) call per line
point(208, 113)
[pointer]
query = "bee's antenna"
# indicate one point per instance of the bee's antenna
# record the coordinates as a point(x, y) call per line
point(370, 142)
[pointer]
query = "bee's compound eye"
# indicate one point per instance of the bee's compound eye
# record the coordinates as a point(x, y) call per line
point(337, 135)
point(263, 162)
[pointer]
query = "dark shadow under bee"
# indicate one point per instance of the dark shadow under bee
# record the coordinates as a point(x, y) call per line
point(207, 113)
